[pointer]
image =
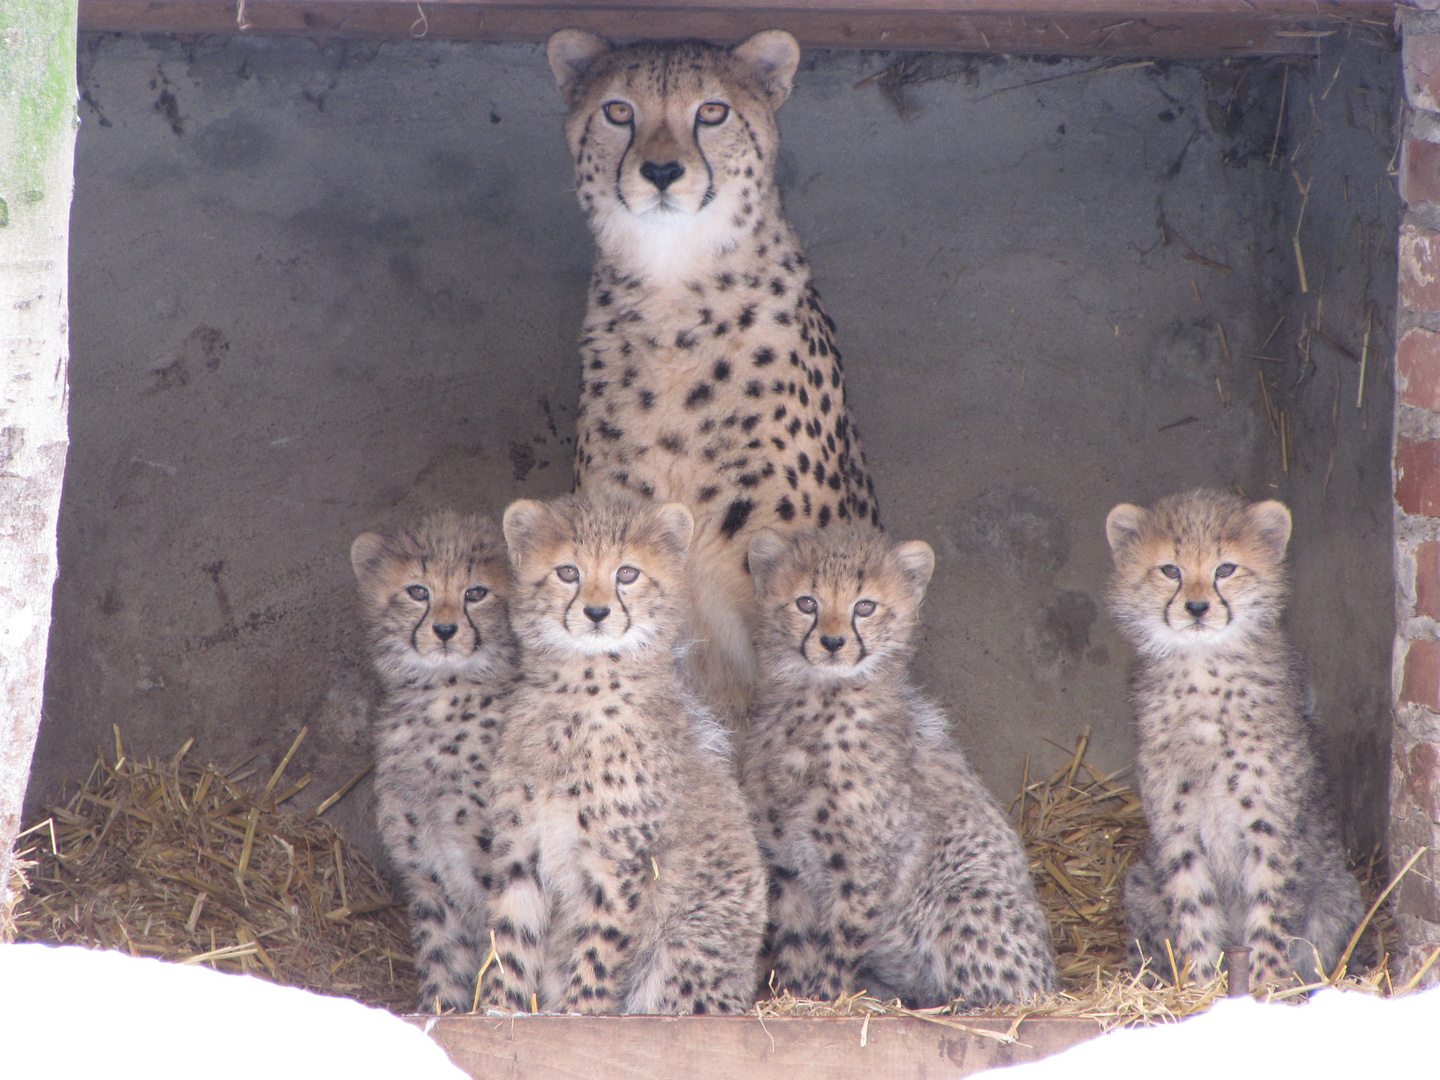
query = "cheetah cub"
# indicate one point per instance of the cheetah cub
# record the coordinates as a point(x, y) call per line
point(888, 859)
point(434, 596)
point(1244, 847)
point(709, 371)
point(625, 874)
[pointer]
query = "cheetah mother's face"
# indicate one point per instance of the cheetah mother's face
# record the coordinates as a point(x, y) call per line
point(678, 137)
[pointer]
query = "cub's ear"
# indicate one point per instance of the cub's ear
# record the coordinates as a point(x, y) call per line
point(677, 525)
point(767, 547)
point(1122, 525)
point(367, 550)
point(571, 53)
point(1272, 521)
point(524, 518)
point(772, 57)
point(917, 560)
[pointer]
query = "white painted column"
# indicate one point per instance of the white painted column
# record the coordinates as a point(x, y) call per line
point(37, 160)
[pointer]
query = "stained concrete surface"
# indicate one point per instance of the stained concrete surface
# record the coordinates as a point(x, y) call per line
point(320, 289)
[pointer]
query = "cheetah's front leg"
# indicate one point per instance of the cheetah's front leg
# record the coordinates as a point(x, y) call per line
point(519, 915)
point(1192, 905)
point(792, 935)
point(1268, 907)
point(602, 936)
point(846, 928)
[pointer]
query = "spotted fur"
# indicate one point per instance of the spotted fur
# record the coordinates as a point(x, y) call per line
point(625, 876)
point(435, 599)
point(710, 374)
point(1244, 844)
point(890, 863)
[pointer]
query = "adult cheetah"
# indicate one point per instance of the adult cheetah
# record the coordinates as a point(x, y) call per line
point(710, 374)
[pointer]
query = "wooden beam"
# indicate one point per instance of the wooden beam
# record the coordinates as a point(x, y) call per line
point(738, 1047)
point(1122, 28)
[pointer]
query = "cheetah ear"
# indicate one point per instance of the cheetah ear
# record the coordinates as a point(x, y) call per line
point(571, 52)
point(917, 560)
point(772, 57)
point(1272, 521)
point(767, 547)
point(677, 525)
point(367, 550)
point(1122, 525)
point(522, 523)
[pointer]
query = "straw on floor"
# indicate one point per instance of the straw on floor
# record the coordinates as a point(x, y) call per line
point(200, 864)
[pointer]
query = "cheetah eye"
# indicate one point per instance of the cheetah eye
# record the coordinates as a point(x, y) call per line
point(418, 592)
point(712, 113)
point(619, 112)
point(1225, 569)
point(567, 573)
point(475, 592)
point(807, 604)
point(1171, 571)
point(627, 575)
point(865, 607)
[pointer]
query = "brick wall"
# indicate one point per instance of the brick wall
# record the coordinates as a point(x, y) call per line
point(1415, 776)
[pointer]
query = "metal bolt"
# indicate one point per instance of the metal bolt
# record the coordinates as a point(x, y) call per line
point(1237, 965)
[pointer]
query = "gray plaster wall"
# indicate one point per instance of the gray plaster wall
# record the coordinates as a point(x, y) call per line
point(320, 289)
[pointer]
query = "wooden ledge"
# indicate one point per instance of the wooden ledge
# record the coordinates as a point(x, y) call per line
point(739, 1047)
point(1123, 28)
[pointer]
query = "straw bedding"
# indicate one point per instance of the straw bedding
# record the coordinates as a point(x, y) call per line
point(201, 864)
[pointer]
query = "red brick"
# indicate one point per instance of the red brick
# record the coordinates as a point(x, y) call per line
point(1417, 362)
point(1427, 579)
point(1417, 477)
point(1421, 52)
point(1422, 674)
point(1420, 172)
point(1419, 268)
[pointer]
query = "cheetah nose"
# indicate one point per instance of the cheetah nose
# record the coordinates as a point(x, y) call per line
point(1197, 607)
point(832, 644)
point(444, 631)
point(596, 614)
point(662, 176)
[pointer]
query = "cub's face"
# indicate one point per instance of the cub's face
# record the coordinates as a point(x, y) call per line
point(674, 145)
point(435, 596)
point(1197, 571)
point(837, 604)
point(598, 576)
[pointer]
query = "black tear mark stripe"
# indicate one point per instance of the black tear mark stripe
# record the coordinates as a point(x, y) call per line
point(415, 630)
point(620, 168)
point(620, 600)
point(814, 625)
point(864, 652)
point(565, 615)
point(709, 196)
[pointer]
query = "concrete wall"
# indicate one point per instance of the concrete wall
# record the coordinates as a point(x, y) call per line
point(318, 290)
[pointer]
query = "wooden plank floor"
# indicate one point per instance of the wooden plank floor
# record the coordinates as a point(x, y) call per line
point(1122, 28)
point(737, 1047)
